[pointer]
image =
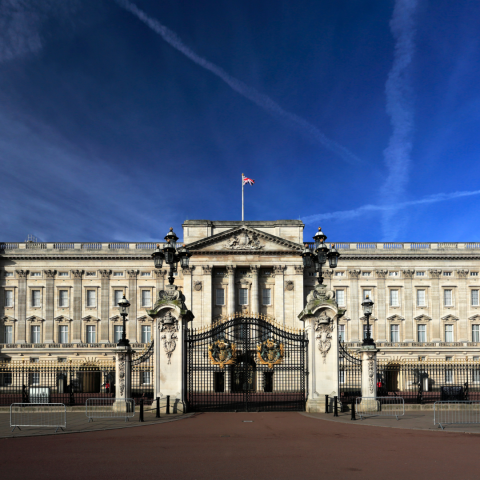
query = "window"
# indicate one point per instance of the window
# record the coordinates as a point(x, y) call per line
point(367, 293)
point(394, 333)
point(339, 274)
point(365, 274)
point(145, 274)
point(340, 295)
point(91, 298)
point(474, 297)
point(146, 378)
point(394, 298)
point(8, 334)
point(476, 375)
point(243, 272)
point(63, 336)
point(420, 274)
point(91, 333)
point(146, 298)
point(312, 274)
point(475, 333)
point(243, 296)
point(448, 376)
point(474, 274)
point(63, 298)
point(63, 274)
point(422, 333)
point(365, 331)
point(35, 274)
point(267, 296)
point(90, 274)
point(447, 274)
point(9, 274)
point(146, 333)
point(118, 274)
point(62, 360)
point(393, 274)
point(341, 333)
point(117, 333)
point(421, 298)
point(117, 296)
point(9, 298)
point(36, 298)
point(266, 272)
point(342, 376)
point(35, 334)
point(447, 298)
point(35, 378)
point(220, 296)
point(449, 333)
point(6, 379)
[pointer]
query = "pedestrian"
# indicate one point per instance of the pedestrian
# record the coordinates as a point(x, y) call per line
point(107, 387)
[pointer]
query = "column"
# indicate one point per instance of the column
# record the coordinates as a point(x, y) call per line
point(123, 373)
point(160, 280)
point(409, 306)
point(22, 306)
point(132, 315)
point(49, 305)
point(279, 301)
point(255, 308)
point(104, 305)
point(369, 373)
point(435, 299)
point(298, 292)
point(357, 329)
point(463, 301)
point(231, 289)
point(187, 288)
point(207, 295)
point(380, 306)
point(77, 306)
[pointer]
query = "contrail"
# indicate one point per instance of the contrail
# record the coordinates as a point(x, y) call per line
point(367, 209)
point(400, 110)
point(238, 86)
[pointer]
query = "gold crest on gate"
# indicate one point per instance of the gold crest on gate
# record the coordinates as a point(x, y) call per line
point(270, 352)
point(222, 352)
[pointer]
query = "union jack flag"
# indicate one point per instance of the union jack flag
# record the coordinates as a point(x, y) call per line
point(248, 180)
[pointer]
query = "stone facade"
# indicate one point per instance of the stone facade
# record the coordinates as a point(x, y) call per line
point(56, 298)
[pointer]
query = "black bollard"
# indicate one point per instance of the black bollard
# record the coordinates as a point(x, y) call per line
point(140, 419)
point(168, 404)
point(352, 406)
point(157, 415)
point(326, 403)
point(335, 407)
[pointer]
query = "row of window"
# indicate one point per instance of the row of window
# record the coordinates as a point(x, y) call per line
point(397, 274)
point(394, 297)
point(421, 333)
point(91, 334)
point(87, 274)
point(243, 296)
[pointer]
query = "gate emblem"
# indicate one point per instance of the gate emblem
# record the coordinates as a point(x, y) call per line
point(222, 352)
point(270, 352)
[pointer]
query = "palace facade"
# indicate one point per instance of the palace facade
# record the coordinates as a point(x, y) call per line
point(59, 300)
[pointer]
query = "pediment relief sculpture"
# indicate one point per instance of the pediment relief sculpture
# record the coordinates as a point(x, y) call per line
point(474, 318)
point(34, 318)
point(422, 318)
point(62, 318)
point(449, 318)
point(90, 318)
point(244, 241)
point(395, 318)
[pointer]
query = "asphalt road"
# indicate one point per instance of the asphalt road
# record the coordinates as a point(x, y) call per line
point(244, 446)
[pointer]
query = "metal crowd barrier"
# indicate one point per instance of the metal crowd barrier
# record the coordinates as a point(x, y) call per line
point(52, 415)
point(109, 408)
point(456, 412)
point(380, 406)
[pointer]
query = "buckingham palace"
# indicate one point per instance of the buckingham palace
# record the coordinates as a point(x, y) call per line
point(60, 299)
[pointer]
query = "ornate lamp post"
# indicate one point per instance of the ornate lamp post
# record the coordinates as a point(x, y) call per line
point(171, 255)
point(320, 255)
point(124, 304)
point(367, 306)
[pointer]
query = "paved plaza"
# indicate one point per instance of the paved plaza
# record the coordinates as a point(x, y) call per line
point(247, 446)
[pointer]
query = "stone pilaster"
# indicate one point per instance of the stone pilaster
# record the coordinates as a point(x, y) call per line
point(207, 294)
point(77, 306)
point(159, 280)
point(381, 306)
point(279, 301)
point(187, 285)
point(369, 371)
point(123, 372)
point(22, 306)
point(435, 298)
point(357, 329)
point(231, 289)
point(104, 304)
point(327, 275)
point(255, 308)
point(409, 306)
point(49, 305)
point(298, 290)
point(463, 302)
point(132, 315)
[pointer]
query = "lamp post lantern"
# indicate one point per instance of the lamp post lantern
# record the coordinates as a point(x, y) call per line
point(171, 255)
point(367, 306)
point(319, 256)
point(123, 305)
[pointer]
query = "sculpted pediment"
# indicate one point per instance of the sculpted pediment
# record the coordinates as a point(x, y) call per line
point(395, 318)
point(422, 318)
point(246, 240)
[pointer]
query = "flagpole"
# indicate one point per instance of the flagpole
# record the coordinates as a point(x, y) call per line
point(242, 197)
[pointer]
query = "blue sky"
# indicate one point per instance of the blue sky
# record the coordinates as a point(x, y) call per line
point(119, 120)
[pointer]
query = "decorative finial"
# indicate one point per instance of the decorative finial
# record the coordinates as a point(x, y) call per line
point(171, 229)
point(319, 229)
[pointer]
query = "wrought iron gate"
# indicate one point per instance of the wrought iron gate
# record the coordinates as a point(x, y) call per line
point(246, 363)
point(350, 375)
point(142, 375)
